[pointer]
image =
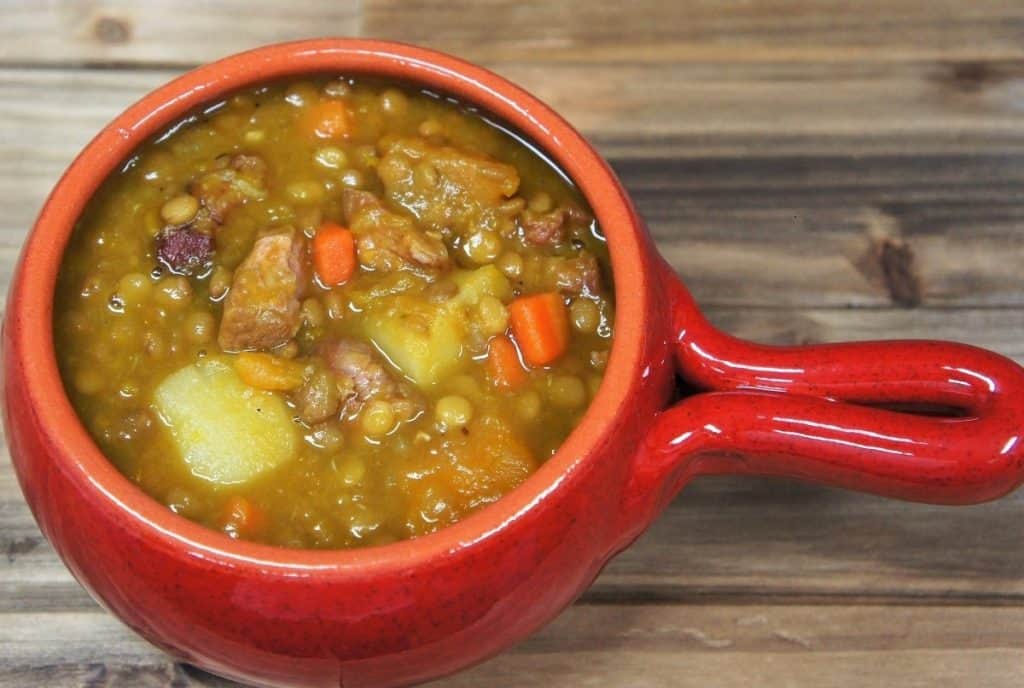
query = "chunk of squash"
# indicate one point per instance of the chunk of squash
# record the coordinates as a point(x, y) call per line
point(226, 431)
point(424, 340)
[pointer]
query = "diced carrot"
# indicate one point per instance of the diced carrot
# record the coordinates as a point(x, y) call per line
point(541, 327)
point(242, 518)
point(328, 119)
point(334, 254)
point(503, 366)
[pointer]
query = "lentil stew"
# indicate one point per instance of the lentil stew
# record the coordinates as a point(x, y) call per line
point(333, 313)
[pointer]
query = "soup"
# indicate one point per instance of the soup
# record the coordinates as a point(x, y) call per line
point(333, 313)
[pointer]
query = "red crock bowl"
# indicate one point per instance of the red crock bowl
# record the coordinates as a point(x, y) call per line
point(415, 610)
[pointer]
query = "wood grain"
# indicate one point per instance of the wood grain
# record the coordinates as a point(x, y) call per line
point(721, 539)
point(705, 30)
point(187, 32)
point(733, 218)
point(181, 32)
point(614, 645)
point(817, 170)
point(750, 538)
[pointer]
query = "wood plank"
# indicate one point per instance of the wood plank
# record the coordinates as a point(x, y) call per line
point(737, 537)
point(996, 329)
point(668, 110)
point(160, 674)
point(727, 539)
point(613, 645)
point(805, 165)
point(186, 32)
point(1001, 668)
point(733, 211)
point(727, 646)
point(748, 231)
point(763, 539)
point(684, 110)
point(705, 30)
point(49, 117)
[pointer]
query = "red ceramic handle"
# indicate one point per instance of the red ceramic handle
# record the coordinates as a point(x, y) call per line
point(804, 412)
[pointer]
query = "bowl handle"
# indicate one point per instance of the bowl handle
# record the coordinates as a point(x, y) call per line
point(812, 413)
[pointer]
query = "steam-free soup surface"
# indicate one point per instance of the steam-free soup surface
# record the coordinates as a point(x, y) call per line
point(333, 313)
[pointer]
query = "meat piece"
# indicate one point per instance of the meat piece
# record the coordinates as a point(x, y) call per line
point(447, 188)
point(188, 248)
point(354, 201)
point(261, 310)
point(320, 396)
point(541, 229)
point(387, 241)
point(577, 275)
point(550, 228)
point(576, 215)
point(252, 165)
point(356, 364)
point(233, 181)
point(184, 251)
point(390, 246)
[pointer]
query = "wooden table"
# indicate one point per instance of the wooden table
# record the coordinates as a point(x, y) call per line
point(817, 170)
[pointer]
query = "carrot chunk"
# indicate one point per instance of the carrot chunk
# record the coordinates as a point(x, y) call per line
point(269, 372)
point(503, 366)
point(328, 119)
point(242, 518)
point(334, 254)
point(541, 327)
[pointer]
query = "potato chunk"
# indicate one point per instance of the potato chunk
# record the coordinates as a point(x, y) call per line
point(226, 431)
point(476, 284)
point(425, 340)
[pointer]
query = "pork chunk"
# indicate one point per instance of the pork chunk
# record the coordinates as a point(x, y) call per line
point(578, 275)
point(261, 310)
point(550, 228)
point(447, 188)
point(572, 275)
point(362, 371)
point(387, 241)
point(355, 201)
point(543, 229)
point(186, 249)
point(233, 180)
point(320, 396)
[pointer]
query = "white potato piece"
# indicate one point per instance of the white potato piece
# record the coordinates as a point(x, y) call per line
point(485, 281)
point(424, 340)
point(226, 431)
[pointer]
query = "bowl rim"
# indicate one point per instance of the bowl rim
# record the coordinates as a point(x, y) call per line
point(30, 311)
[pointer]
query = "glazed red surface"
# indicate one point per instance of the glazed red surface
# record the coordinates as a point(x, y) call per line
point(415, 610)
